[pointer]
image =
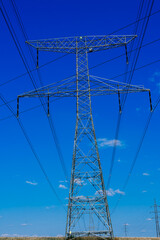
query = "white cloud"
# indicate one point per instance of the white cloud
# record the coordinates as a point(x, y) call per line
point(12, 235)
point(79, 182)
point(62, 186)
point(104, 142)
point(81, 197)
point(149, 219)
point(50, 207)
point(59, 236)
point(5, 235)
point(118, 160)
point(99, 192)
point(155, 76)
point(17, 235)
point(26, 224)
point(110, 192)
point(119, 192)
point(144, 191)
point(145, 174)
point(32, 183)
point(63, 181)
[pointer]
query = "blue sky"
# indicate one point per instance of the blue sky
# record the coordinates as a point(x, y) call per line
point(28, 206)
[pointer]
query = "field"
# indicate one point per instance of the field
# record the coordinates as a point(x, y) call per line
point(85, 238)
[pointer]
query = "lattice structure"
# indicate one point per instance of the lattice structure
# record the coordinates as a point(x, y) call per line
point(156, 217)
point(87, 197)
point(76, 44)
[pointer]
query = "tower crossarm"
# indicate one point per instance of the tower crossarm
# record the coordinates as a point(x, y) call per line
point(98, 87)
point(72, 44)
point(102, 86)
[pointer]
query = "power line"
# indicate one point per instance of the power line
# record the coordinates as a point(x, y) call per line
point(140, 144)
point(12, 32)
point(32, 148)
point(34, 69)
point(117, 130)
point(125, 97)
point(37, 106)
point(130, 24)
point(119, 114)
point(51, 124)
point(92, 168)
point(97, 65)
point(9, 107)
point(24, 111)
point(45, 64)
point(136, 26)
point(29, 72)
point(138, 151)
point(114, 150)
point(143, 66)
point(136, 57)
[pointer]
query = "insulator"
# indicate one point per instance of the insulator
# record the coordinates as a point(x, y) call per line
point(151, 108)
point(119, 100)
point(37, 59)
point(126, 54)
point(17, 107)
point(48, 106)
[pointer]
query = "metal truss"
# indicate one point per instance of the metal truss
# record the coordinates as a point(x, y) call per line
point(88, 211)
point(98, 87)
point(71, 44)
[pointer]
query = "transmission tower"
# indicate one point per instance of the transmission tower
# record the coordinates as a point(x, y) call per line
point(125, 229)
point(156, 217)
point(87, 196)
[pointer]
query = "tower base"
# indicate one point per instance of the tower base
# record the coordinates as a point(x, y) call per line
point(97, 234)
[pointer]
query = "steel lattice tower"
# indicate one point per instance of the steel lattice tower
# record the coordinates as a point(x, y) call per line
point(87, 195)
point(156, 217)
